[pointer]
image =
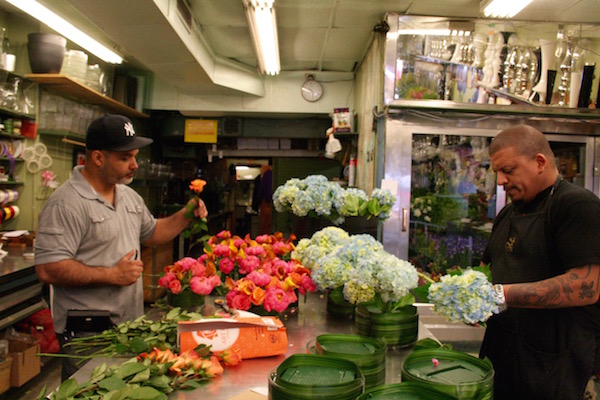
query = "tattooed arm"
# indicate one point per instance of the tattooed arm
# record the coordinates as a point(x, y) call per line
point(577, 287)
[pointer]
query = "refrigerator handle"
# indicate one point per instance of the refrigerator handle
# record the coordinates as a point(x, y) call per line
point(404, 219)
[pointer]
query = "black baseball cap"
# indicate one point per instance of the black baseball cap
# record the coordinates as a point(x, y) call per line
point(113, 132)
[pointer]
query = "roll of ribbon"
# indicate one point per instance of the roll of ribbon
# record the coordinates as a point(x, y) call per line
point(9, 213)
point(13, 195)
point(16, 211)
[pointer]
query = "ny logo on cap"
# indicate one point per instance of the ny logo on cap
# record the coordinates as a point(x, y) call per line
point(129, 129)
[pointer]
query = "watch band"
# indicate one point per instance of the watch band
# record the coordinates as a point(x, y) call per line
point(499, 297)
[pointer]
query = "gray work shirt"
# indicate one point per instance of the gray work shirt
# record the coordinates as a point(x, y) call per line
point(77, 223)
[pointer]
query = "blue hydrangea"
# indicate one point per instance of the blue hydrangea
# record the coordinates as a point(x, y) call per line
point(468, 297)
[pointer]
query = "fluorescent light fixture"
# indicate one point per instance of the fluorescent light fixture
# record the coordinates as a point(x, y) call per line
point(503, 8)
point(65, 28)
point(263, 27)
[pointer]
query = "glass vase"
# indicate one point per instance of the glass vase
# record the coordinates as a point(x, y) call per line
point(342, 309)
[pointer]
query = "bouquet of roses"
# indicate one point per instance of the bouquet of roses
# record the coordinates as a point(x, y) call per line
point(466, 296)
point(190, 274)
point(258, 272)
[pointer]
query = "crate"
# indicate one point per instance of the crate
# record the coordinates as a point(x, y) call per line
point(5, 368)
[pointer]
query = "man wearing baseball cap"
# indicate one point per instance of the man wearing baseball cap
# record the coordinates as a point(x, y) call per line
point(89, 235)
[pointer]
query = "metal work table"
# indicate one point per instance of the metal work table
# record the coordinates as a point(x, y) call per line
point(311, 321)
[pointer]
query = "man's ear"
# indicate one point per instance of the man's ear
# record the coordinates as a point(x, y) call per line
point(541, 161)
point(98, 157)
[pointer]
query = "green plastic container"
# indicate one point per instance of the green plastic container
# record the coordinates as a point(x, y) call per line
point(404, 391)
point(398, 328)
point(457, 374)
point(367, 353)
point(315, 376)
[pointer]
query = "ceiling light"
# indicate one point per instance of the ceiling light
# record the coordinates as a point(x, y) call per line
point(65, 28)
point(263, 27)
point(503, 8)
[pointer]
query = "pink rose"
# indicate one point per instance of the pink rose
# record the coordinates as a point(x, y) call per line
point(255, 251)
point(238, 243)
point(226, 265)
point(224, 235)
point(187, 262)
point(262, 239)
point(198, 269)
point(214, 280)
point(221, 250)
point(307, 285)
point(276, 299)
point(166, 279)
point(175, 286)
point(259, 278)
point(281, 248)
point(202, 258)
point(201, 285)
point(237, 300)
point(249, 264)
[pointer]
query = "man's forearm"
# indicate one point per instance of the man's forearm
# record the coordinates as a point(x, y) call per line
point(577, 287)
point(73, 273)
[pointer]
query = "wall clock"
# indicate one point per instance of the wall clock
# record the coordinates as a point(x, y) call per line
point(311, 90)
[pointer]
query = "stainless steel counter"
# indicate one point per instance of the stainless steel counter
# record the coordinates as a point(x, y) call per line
point(302, 328)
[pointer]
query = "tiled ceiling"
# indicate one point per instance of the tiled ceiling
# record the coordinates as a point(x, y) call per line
point(314, 35)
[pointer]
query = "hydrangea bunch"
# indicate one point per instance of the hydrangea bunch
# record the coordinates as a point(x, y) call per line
point(359, 265)
point(316, 196)
point(310, 250)
point(468, 297)
point(258, 272)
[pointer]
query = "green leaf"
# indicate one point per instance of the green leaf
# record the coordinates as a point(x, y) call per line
point(138, 345)
point(68, 388)
point(337, 295)
point(129, 369)
point(112, 383)
point(42, 394)
point(422, 293)
point(160, 382)
point(190, 385)
point(142, 376)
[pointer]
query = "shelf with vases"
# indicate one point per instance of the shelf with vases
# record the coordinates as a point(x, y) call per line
point(67, 86)
point(514, 98)
point(441, 61)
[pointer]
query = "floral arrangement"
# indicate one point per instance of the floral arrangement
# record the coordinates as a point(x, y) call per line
point(316, 196)
point(359, 265)
point(258, 272)
point(467, 297)
point(190, 274)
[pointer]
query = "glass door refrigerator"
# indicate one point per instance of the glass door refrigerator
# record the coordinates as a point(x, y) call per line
point(447, 194)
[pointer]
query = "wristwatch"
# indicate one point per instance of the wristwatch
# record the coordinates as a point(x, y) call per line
point(499, 297)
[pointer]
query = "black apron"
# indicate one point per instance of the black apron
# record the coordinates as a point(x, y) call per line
point(536, 353)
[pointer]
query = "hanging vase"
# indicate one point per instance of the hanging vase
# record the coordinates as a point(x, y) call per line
point(185, 299)
point(397, 328)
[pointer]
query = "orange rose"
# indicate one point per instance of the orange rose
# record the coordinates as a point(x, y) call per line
point(197, 185)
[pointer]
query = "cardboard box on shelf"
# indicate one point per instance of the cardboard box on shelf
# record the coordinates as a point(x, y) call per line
point(25, 363)
point(5, 374)
point(251, 337)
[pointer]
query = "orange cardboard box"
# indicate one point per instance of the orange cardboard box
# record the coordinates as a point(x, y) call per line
point(252, 337)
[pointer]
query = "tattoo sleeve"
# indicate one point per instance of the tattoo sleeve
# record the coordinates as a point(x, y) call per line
point(576, 287)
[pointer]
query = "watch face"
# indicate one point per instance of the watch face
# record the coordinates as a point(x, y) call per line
point(312, 90)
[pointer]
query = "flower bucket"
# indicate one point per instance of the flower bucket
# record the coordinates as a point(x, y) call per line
point(185, 299)
point(455, 373)
point(367, 353)
point(315, 377)
point(361, 225)
point(404, 390)
point(398, 328)
point(305, 227)
point(342, 309)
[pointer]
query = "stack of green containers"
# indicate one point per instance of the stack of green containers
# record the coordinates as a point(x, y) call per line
point(397, 328)
point(315, 377)
point(404, 391)
point(367, 353)
point(452, 372)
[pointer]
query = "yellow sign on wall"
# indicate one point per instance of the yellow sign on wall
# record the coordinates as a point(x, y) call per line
point(200, 131)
